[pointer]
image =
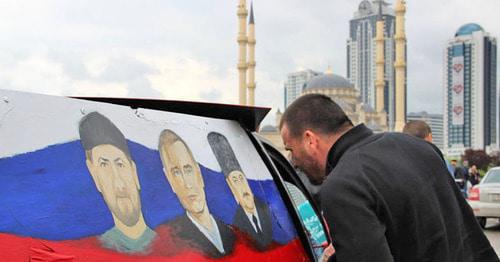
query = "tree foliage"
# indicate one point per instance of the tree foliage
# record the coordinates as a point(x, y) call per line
point(495, 158)
point(477, 157)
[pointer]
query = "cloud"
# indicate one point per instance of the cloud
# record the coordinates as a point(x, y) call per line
point(91, 88)
point(142, 88)
point(35, 74)
point(427, 39)
point(212, 95)
point(186, 77)
point(123, 69)
point(187, 49)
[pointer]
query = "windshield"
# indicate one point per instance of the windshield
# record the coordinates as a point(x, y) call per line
point(492, 177)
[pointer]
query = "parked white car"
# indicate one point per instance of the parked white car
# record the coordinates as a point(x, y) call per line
point(484, 198)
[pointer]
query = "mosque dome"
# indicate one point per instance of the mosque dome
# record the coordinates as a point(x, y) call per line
point(468, 29)
point(328, 80)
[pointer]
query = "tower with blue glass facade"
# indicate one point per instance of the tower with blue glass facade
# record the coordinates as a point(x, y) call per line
point(470, 92)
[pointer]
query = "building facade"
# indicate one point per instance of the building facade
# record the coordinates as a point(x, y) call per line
point(435, 122)
point(470, 92)
point(361, 55)
point(340, 90)
point(296, 82)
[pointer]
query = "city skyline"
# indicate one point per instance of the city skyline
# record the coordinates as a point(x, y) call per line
point(188, 51)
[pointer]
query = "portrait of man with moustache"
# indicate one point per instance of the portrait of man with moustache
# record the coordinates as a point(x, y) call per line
point(252, 215)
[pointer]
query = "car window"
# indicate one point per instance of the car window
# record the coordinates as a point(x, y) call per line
point(100, 182)
point(310, 219)
point(493, 177)
point(304, 203)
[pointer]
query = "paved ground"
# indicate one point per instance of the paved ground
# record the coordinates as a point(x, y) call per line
point(492, 231)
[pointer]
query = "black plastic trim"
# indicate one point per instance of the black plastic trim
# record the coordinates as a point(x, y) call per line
point(248, 117)
point(287, 199)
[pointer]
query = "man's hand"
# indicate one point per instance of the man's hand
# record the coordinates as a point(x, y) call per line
point(327, 253)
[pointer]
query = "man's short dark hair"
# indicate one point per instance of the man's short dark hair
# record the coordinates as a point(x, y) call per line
point(417, 128)
point(95, 129)
point(315, 112)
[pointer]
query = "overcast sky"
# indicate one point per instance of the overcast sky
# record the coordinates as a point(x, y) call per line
point(178, 49)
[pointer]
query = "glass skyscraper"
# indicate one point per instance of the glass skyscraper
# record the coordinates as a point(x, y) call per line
point(470, 93)
point(361, 54)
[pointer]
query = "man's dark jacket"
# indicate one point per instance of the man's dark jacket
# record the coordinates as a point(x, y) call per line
point(262, 240)
point(187, 231)
point(389, 197)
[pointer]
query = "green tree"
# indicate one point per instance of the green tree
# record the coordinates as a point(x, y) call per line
point(477, 157)
point(495, 158)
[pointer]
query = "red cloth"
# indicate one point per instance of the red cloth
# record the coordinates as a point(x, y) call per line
point(14, 248)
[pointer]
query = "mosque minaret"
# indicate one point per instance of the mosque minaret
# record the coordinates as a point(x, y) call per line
point(251, 59)
point(246, 44)
point(400, 65)
point(242, 42)
point(380, 61)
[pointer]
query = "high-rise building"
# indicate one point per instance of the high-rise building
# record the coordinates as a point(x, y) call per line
point(296, 83)
point(361, 50)
point(361, 54)
point(435, 122)
point(470, 95)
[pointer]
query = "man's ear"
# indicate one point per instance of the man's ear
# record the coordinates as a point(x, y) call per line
point(428, 138)
point(310, 139)
point(135, 176)
point(92, 171)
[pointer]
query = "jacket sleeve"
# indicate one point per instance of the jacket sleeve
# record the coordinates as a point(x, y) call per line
point(349, 206)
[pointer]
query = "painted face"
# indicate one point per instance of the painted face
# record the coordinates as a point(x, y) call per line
point(241, 190)
point(184, 176)
point(116, 178)
point(303, 158)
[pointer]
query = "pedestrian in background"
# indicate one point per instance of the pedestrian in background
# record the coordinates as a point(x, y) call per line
point(461, 177)
point(421, 129)
point(418, 128)
point(384, 196)
point(474, 178)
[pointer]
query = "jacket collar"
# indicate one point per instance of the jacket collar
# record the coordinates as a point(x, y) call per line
point(350, 138)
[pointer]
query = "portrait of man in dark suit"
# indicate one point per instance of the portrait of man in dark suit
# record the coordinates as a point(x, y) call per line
point(252, 215)
point(197, 226)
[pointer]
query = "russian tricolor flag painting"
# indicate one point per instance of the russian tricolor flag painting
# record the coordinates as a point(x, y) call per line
point(125, 195)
